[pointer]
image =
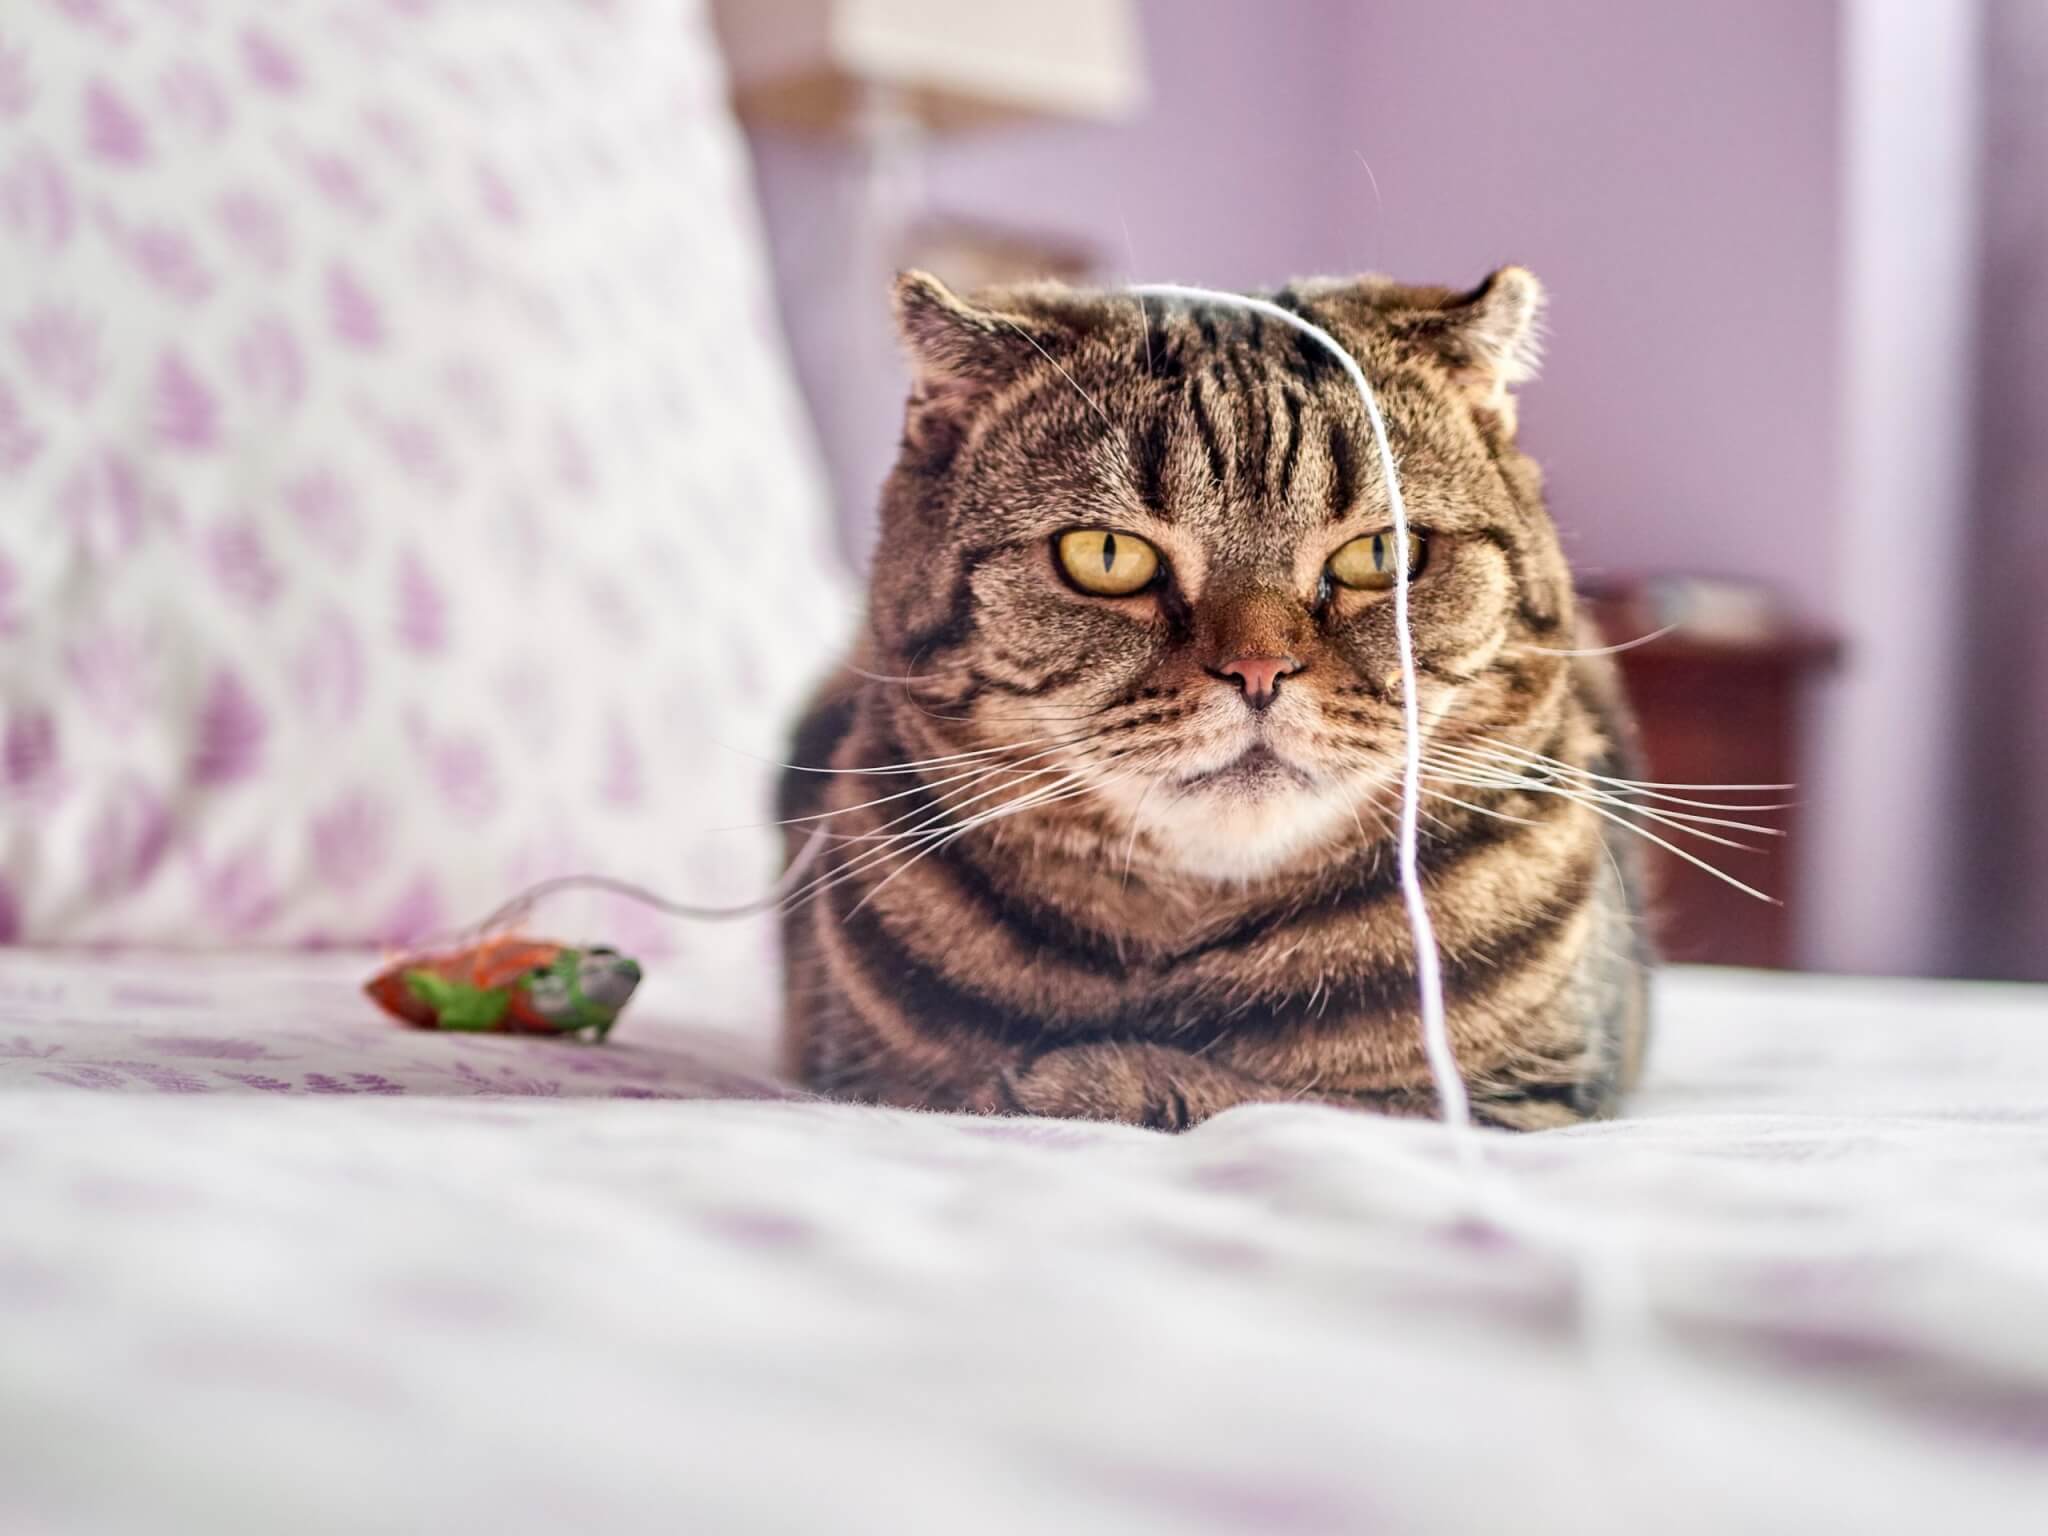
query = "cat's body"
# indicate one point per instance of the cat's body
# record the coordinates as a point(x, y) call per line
point(1127, 852)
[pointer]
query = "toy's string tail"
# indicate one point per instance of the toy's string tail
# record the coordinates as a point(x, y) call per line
point(1436, 1035)
point(515, 910)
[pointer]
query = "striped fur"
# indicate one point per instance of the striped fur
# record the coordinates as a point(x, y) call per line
point(1166, 932)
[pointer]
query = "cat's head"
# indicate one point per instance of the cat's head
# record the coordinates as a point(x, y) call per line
point(1152, 542)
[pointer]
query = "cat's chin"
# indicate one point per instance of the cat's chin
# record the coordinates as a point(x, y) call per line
point(1245, 820)
point(1234, 833)
point(1258, 773)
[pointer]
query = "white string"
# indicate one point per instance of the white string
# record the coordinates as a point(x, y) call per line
point(1436, 1035)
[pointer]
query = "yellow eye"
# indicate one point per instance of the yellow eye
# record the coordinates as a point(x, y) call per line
point(1106, 563)
point(1367, 563)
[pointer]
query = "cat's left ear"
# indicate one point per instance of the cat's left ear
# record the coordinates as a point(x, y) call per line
point(961, 352)
point(1490, 339)
point(959, 348)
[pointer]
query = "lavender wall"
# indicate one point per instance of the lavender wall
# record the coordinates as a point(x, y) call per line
point(1672, 173)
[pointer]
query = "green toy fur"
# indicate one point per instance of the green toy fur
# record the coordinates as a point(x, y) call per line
point(458, 1004)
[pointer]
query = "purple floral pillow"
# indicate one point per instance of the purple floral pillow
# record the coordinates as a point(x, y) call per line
point(402, 493)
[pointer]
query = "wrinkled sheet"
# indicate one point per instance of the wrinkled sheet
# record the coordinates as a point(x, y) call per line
point(269, 1264)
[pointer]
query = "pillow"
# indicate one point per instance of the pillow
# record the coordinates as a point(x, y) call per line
point(403, 495)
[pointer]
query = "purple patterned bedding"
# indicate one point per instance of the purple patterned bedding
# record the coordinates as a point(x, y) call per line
point(270, 1263)
point(276, 1023)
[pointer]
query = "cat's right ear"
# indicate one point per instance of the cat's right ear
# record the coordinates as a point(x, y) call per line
point(959, 352)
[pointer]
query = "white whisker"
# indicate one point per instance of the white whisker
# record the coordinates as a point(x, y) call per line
point(1491, 778)
point(914, 677)
point(1033, 801)
point(882, 834)
point(1131, 844)
point(1552, 769)
point(934, 831)
point(1093, 404)
point(918, 764)
point(1619, 820)
point(1592, 797)
point(1646, 785)
point(1600, 650)
point(1690, 858)
point(1481, 810)
point(974, 775)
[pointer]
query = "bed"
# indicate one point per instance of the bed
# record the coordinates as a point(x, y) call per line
point(359, 355)
point(271, 1263)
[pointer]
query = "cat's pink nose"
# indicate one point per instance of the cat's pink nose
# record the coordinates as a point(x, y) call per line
point(1259, 676)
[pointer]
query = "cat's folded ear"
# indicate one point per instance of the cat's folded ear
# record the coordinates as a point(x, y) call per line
point(1490, 339)
point(959, 349)
point(1495, 331)
point(1487, 339)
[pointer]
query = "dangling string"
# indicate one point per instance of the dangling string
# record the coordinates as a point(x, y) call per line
point(1436, 1035)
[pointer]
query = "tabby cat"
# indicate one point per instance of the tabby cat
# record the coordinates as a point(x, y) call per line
point(1100, 813)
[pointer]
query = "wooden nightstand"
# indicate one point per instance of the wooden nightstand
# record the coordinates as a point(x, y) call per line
point(1722, 711)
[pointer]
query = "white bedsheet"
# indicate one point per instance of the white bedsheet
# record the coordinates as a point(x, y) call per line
point(267, 1265)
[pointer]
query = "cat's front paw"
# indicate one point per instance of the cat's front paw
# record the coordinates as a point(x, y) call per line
point(1148, 1085)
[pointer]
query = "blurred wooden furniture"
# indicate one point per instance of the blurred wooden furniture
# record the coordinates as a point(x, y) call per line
point(830, 66)
point(966, 254)
point(1722, 708)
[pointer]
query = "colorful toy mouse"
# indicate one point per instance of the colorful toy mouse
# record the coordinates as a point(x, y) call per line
point(510, 986)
